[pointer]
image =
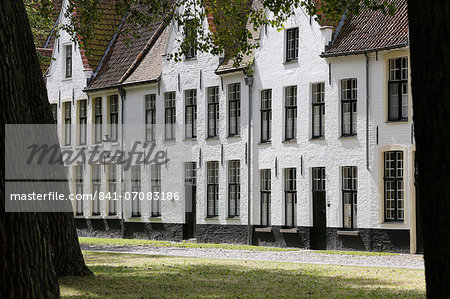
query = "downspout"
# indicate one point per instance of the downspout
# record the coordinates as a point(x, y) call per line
point(367, 110)
point(249, 82)
point(123, 95)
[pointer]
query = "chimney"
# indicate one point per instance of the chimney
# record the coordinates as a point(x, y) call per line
point(327, 32)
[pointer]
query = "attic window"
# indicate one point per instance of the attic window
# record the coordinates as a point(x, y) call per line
point(68, 62)
point(190, 39)
point(292, 44)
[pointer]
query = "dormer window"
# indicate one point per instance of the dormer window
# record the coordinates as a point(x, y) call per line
point(68, 61)
point(190, 39)
point(292, 44)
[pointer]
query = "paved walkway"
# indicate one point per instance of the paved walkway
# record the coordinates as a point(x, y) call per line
point(299, 256)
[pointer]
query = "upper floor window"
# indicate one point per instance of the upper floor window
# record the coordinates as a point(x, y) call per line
point(67, 123)
point(190, 39)
point(290, 112)
point(55, 112)
point(68, 62)
point(114, 117)
point(98, 120)
point(169, 99)
point(318, 110)
point(398, 89)
point(213, 111)
point(349, 195)
point(234, 109)
point(349, 96)
point(150, 117)
point(266, 115)
point(234, 188)
point(82, 115)
point(394, 193)
point(292, 44)
point(212, 189)
point(190, 113)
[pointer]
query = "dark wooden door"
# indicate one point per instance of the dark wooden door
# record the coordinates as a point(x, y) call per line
point(319, 233)
point(189, 231)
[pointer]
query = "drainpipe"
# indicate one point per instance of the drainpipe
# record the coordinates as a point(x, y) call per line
point(367, 110)
point(249, 82)
point(123, 95)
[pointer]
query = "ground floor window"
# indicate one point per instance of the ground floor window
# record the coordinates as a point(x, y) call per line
point(234, 188)
point(349, 195)
point(394, 193)
point(79, 189)
point(135, 189)
point(112, 189)
point(156, 189)
point(96, 188)
point(290, 196)
point(266, 189)
point(212, 202)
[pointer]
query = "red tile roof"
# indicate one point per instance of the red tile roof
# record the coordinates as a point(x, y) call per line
point(122, 55)
point(371, 31)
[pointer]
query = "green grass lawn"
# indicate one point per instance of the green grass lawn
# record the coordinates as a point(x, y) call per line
point(147, 276)
point(152, 243)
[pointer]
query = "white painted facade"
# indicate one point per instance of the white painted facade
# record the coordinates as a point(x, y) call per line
point(271, 71)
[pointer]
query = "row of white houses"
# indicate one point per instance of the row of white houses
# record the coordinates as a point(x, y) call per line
point(314, 148)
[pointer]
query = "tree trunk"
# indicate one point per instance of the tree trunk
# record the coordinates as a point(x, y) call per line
point(35, 247)
point(430, 70)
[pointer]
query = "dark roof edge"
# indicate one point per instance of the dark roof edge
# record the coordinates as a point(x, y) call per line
point(150, 81)
point(358, 52)
point(233, 70)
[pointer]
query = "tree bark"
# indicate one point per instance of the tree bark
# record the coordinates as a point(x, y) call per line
point(35, 247)
point(430, 70)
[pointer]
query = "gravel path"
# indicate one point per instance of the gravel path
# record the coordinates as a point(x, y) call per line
point(299, 256)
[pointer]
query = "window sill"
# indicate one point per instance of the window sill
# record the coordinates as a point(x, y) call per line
point(66, 79)
point(112, 217)
point(317, 138)
point(134, 219)
point(293, 140)
point(401, 121)
point(155, 219)
point(95, 217)
point(393, 222)
point(193, 58)
point(293, 61)
point(190, 139)
point(233, 218)
point(79, 216)
point(293, 230)
point(353, 233)
point(263, 229)
point(348, 136)
point(212, 218)
point(170, 140)
point(234, 136)
point(268, 142)
point(211, 138)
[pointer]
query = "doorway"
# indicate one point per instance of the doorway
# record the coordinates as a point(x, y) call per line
point(319, 229)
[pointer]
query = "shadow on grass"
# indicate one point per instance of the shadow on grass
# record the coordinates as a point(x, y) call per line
point(160, 276)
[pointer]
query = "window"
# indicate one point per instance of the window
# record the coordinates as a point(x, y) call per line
point(234, 188)
point(318, 110)
point(96, 185)
point(292, 44)
point(114, 117)
point(349, 96)
point(234, 109)
point(191, 113)
point(349, 195)
point(98, 120)
point(190, 39)
point(55, 112)
point(68, 65)
point(83, 121)
point(290, 196)
point(212, 188)
point(67, 122)
point(190, 173)
point(79, 189)
point(398, 89)
point(291, 112)
point(266, 190)
point(150, 117)
point(135, 189)
point(266, 114)
point(170, 115)
point(318, 183)
point(213, 111)
point(112, 189)
point(394, 200)
point(156, 189)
